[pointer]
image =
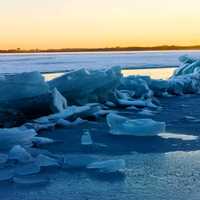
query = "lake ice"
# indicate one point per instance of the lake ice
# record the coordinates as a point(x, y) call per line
point(50, 62)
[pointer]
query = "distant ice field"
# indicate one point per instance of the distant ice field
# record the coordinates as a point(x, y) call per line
point(55, 62)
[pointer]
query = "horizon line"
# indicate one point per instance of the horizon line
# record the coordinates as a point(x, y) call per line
point(117, 48)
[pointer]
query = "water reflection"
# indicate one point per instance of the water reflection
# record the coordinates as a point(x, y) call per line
point(158, 73)
point(51, 76)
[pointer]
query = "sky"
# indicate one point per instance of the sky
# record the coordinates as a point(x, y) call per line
point(44, 24)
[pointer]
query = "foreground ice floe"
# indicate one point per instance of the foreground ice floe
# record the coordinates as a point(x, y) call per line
point(135, 127)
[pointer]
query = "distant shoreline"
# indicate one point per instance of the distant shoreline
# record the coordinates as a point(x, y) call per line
point(113, 49)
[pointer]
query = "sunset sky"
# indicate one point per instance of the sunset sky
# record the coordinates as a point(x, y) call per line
point(98, 23)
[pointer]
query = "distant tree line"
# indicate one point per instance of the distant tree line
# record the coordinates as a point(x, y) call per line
point(154, 48)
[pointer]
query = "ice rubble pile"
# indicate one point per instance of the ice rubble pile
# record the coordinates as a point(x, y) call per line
point(30, 94)
point(189, 65)
point(83, 86)
point(185, 80)
point(71, 100)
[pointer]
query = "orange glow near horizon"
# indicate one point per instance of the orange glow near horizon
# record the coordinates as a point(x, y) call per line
point(47, 24)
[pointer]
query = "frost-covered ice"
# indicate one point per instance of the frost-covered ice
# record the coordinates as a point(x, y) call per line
point(134, 127)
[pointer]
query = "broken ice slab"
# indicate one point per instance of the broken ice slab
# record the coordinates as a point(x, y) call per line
point(77, 161)
point(19, 154)
point(102, 113)
point(138, 85)
point(189, 65)
point(15, 136)
point(37, 141)
point(69, 112)
point(27, 169)
point(183, 137)
point(42, 120)
point(39, 127)
point(59, 103)
point(25, 92)
point(46, 161)
point(120, 125)
point(72, 113)
point(31, 180)
point(132, 108)
point(82, 86)
point(110, 104)
point(146, 112)
point(189, 118)
point(108, 166)
point(68, 124)
point(185, 84)
point(37, 151)
point(139, 103)
point(127, 103)
point(86, 139)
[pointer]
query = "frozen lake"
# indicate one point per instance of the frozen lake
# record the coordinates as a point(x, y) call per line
point(54, 62)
